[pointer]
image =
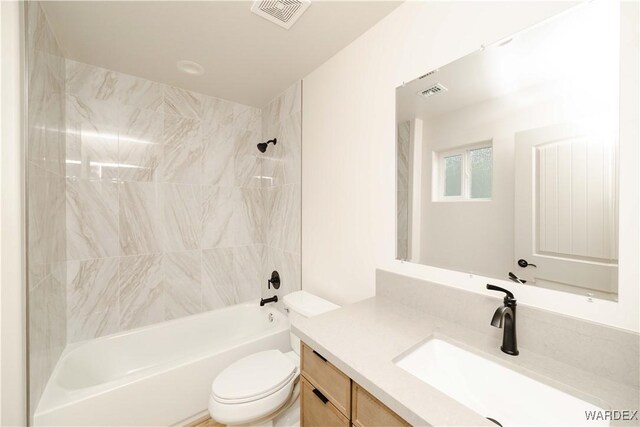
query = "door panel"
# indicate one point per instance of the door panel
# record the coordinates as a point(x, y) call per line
point(566, 207)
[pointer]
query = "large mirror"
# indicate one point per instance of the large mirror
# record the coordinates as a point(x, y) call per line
point(507, 159)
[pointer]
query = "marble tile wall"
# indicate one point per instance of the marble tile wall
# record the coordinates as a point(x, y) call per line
point(402, 190)
point(169, 201)
point(282, 119)
point(45, 198)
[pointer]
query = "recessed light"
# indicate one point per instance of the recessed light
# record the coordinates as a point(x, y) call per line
point(190, 67)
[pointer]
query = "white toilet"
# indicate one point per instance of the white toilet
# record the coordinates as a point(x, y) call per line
point(258, 388)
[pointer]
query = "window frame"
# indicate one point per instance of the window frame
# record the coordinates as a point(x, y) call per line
point(465, 167)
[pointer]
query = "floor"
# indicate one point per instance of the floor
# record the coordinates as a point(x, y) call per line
point(206, 423)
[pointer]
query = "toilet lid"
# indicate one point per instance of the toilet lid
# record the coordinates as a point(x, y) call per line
point(254, 377)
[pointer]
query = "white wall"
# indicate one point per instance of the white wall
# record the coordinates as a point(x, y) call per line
point(348, 183)
point(12, 341)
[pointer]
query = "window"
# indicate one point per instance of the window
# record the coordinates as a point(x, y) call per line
point(464, 174)
point(453, 175)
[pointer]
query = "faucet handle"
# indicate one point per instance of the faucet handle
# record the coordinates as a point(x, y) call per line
point(275, 280)
point(498, 288)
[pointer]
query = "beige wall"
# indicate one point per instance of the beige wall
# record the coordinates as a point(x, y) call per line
point(348, 205)
point(12, 241)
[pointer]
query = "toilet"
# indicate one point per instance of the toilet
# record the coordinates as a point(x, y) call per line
point(260, 387)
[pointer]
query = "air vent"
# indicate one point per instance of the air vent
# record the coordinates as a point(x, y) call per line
point(433, 90)
point(282, 12)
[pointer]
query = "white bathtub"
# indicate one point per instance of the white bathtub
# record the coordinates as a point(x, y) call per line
point(157, 375)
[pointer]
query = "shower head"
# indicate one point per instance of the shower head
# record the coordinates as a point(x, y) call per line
point(263, 145)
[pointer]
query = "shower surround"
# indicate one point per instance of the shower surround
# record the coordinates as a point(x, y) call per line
point(281, 169)
point(147, 202)
point(170, 208)
point(45, 201)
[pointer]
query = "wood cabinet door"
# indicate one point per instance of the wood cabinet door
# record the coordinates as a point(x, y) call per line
point(332, 382)
point(316, 410)
point(370, 412)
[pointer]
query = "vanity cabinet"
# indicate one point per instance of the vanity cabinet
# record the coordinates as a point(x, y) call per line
point(316, 411)
point(329, 380)
point(331, 398)
point(366, 410)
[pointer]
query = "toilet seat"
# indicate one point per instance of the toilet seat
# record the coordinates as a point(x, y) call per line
point(253, 387)
point(253, 377)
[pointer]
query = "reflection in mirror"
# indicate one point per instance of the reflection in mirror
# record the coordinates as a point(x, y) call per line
point(507, 159)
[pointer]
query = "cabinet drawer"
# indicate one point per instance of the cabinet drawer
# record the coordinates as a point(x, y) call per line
point(316, 412)
point(335, 385)
point(370, 412)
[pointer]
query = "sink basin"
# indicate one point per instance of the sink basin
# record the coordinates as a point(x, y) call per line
point(493, 390)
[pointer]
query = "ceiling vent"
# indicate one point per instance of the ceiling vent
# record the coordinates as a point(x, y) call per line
point(282, 12)
point(433, 90)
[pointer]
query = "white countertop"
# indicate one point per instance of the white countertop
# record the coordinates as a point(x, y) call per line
point(363, 339)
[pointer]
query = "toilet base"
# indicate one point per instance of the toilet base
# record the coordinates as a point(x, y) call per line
point(290, 417)
point(268, 421)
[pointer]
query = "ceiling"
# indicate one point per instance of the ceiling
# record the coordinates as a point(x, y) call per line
point(247, 59)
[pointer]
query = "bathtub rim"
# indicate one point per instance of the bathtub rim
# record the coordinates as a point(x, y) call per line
point(74, 345)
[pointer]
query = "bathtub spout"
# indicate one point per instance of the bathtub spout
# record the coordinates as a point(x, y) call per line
point(264, 301)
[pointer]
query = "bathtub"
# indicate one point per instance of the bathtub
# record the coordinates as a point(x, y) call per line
point(158, 375)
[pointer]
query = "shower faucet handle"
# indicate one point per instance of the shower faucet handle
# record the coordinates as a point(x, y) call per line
point(275, 280)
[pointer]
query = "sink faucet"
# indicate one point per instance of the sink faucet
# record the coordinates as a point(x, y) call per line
point(505, 317)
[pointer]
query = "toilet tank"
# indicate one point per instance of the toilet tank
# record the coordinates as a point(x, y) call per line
point(302, 304)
